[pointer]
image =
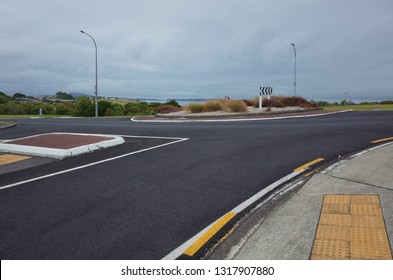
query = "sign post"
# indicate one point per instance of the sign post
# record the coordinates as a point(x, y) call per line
point(264, 91)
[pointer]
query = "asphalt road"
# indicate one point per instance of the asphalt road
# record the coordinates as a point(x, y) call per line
point(145, 205)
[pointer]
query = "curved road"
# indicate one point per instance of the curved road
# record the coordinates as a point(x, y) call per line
point(144, 205)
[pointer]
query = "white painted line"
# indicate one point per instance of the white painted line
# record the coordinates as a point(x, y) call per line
point(91, 164)
point(180, 250)
point(235, 120)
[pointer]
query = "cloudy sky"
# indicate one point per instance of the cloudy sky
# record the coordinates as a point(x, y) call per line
point(198, 48)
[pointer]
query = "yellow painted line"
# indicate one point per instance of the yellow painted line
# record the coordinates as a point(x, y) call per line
point(8, 158)
point(351, 227)
point(310, 173)
point(304, 166)
point(382, 140)
point(190, 251)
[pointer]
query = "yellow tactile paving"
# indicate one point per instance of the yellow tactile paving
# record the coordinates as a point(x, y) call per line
point(8, 158)
point(335, 219)
point(351, 227)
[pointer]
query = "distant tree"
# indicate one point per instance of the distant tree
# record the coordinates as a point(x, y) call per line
point(19, 95)
point(64, 95)
point(4, 97)
point(173, 103)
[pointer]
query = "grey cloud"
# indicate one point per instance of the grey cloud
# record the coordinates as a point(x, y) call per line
point(198, 48)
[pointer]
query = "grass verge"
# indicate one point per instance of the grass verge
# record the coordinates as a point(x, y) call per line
point(372, 107)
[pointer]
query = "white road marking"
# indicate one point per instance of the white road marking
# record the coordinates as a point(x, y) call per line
point(177, 140)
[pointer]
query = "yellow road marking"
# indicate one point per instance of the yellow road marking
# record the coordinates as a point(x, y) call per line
point(190, 251)
point(8, 158)
point(304, 166)
point(351, 227)
point(382, 140)
point(310, 173)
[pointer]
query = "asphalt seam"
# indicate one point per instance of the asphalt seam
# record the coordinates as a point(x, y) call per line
point(359, 182)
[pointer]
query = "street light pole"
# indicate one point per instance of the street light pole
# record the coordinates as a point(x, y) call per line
point(96, 88)
point(294, 83)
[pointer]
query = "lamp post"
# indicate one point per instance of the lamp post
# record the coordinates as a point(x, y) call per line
point(294, 83)
point(96, 88)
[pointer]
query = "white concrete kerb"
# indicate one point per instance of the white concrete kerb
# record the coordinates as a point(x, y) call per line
point(60, 153)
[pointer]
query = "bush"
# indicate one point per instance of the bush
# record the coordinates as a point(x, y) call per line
point(64, 108)
point(272, 102)
point(138, 108)
point(165, 109)
point(386, 102)
point(235, 106)
point(84, 107)
point(195, 107)
point(47, 109)
point(213, 106)
point(173, 103)
point(249, 102)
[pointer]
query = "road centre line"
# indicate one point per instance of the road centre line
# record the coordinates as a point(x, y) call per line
point(97, 162)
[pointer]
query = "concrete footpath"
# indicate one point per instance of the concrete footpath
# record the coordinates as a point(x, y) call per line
point(342, 212)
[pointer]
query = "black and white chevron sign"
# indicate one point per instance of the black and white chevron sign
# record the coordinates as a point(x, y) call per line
point(265, 90)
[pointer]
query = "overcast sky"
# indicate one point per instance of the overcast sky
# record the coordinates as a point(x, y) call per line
point(198, 48)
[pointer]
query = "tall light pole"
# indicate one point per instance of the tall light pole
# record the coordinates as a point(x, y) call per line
point(294, 83)
point(96, 89)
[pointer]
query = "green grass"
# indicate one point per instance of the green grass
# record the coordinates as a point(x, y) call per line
point(30, 116)
point(372, 107)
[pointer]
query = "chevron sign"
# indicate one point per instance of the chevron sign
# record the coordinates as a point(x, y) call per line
point(265, 90)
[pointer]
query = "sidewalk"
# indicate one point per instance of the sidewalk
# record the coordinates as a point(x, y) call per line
point(334, 215)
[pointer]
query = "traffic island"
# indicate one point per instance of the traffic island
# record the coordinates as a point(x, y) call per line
point(59, 145)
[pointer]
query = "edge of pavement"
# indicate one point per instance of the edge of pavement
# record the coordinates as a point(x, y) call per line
point(284, 226)
point(236, 117)
point(227, 236)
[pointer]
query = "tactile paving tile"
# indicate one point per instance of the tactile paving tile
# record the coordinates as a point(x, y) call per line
point(361, 250)
point(366, 210)
point(351, 227)
point(335, 219)
point(364, 199)
point(367, 221)
point(336, 208)
point(336, 199)
point(333, 232)
point(325, 249)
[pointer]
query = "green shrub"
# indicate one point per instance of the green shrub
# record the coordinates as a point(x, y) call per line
point(138, 108)
point(84, 107)
point(195, 107)
point(173, 103)
point(64, 108)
